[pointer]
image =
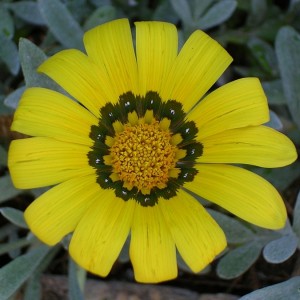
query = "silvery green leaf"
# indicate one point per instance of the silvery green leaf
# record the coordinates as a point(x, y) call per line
point(99, 16)
point(217, 14)
point(183, 10)
point(281, 178)
point(280, 250)
point(259, 10)
point(13, 237)
point(287, 290)
point(287, 47)
point(274, 92)
point(33, 290)
point(124, 254)
point(199, 7)
point(6, 23)
point(14, 215)
point(3, 156)
point(296, 222)
point(264, 54)
point(9, 54)
point(235, 231)
point(74, 278)
point(61, 23)
point(15, 273)
point(162, 13)
point(274, 121)
point(12, 100)
point(28, 11)
point(238, 261)
point(31, 57)
point(7, 188)
point(99, 3)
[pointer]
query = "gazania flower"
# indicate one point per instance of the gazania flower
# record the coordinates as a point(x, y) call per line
point(125, 156)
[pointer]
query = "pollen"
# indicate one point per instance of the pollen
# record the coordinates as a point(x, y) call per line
point(143, 155)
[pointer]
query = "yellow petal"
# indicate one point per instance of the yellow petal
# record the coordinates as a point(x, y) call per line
point(43, 112)
point(57, 212)
point(152, 249)
point(102, 232)
point(237, 104)
point(241, 192)
point(37, 162)
point(156, 50)
point(110, 47)
point(80, 77)
point(260, 146)
point(197, 236)
point(199, 64)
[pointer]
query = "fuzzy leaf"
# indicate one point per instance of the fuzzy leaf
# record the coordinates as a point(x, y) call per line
point(61, 23)
point(99, 16)
point(15, 273)
point(15, 216)
point(274, 121)
point(183, 10)
point(200, 7)
point(287, 290)
point(296, 222)
point(234, 230)
point(13, 99)
point(27, 11)
point(217, 14)
point(7, 189)
point(6, 23)
point(31, 57)
point(75, 293)
point(9, 54)
point(287, 47)
point(274, 92)
point(281, 249)
point(238, 261)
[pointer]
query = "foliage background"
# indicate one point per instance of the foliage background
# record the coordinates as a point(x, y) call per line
point(263, 38)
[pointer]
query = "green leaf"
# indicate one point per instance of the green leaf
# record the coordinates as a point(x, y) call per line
point(99, 16)
point(287, 47)
point(217, 14)
point(3, 157)
point(235, 231)
point(259, 9)
point(9, 54)
point(6, 23)
point(13, 99)
point(264, 55)
point(27, 11)
point(75, 277)
point(183, 10)
point(238, 261)
point(281, 178)
point(274, 92)
point(14, 274)
point(287, 290)
point(296, 214)
point(33, 290)
point(281, 249)
point(275, 121)
point(15, 216)
point(61, 23)
point(31, 57)
point(7, 189)
point(200, 7)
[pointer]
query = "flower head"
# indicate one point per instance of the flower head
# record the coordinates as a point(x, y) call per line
point(126, 154)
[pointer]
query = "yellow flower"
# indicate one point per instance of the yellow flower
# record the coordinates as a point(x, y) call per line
point(124, 158)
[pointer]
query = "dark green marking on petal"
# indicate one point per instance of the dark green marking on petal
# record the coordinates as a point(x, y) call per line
point(170, 109)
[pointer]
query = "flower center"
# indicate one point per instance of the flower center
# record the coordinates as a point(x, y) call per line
point(142, 156)
point(144, 148)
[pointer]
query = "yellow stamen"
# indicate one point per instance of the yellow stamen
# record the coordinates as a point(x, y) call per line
point(142, 155)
